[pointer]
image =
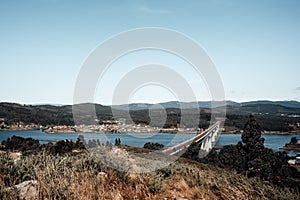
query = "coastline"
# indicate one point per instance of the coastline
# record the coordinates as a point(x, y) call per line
point(268, 133)
point(71, 129)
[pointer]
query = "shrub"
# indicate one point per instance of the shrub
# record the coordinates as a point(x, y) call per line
point(153, 146)
point(16, 143)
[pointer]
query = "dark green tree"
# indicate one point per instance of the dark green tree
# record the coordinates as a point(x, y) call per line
point(252, 132)
point(254, 144)
point(294, 140)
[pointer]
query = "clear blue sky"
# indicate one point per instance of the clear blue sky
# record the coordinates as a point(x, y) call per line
point(254, 44)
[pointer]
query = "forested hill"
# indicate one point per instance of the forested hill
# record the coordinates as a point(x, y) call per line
point(273, 116)
point(46, 114)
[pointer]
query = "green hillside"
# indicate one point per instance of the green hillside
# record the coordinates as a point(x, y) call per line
point(271, 115)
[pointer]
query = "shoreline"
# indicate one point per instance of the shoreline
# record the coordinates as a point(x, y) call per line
point(268, 133)
point(72, 130)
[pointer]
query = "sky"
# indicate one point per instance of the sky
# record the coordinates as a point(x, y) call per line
point(255, 46)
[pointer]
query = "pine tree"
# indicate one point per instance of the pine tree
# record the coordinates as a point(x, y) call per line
point(252, 132)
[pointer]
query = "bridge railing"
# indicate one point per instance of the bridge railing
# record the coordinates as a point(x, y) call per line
point(208, 138)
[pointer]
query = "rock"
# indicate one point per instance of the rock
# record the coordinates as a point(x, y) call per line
point(102, 176)
point(16, 156)
point(27, 189)
point(292, 162)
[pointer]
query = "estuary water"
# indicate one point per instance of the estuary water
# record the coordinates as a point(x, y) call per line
point(137, 139)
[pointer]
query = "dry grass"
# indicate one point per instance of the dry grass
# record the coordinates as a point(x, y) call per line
point(84, 177)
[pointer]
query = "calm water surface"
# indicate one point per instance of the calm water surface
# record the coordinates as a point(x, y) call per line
point(271, 141)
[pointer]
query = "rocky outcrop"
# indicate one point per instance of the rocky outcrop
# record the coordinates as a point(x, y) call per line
point(27, 189)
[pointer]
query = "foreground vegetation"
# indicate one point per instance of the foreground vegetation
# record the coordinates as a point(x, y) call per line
point(84, 177)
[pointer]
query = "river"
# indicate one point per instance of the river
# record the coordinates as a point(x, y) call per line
point(137, 139)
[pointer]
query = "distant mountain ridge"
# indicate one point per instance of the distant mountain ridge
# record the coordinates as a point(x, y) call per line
point(176, 104)
point(289, 104)
point(204, 104)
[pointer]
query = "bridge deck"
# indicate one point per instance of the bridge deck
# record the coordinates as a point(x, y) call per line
point(179, 147)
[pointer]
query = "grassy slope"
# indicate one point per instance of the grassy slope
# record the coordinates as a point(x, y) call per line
point(79, 177)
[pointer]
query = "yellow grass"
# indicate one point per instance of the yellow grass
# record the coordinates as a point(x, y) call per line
point(83, 177)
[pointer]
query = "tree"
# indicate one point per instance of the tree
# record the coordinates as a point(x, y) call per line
point(294, 140)
point(252, 132)
point(117, 142)
point(254, 160)
point(254, 144)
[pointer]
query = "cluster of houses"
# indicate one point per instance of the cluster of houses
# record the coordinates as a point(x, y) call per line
point(120, 126)
point(107, 126)
point(18, 125)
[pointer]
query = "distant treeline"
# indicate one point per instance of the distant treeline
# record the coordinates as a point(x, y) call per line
point(29, 145)
point(271, 117)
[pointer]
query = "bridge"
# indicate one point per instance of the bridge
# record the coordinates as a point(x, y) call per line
point(207, 139)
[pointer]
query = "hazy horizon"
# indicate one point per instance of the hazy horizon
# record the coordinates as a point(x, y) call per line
point(60, 104)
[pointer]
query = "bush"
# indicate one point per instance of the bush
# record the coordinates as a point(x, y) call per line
point(16, 143)
point(153, 146)
point(294, 140)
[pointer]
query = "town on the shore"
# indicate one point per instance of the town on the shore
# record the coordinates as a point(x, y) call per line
point(106, 126)
point(119, 126)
